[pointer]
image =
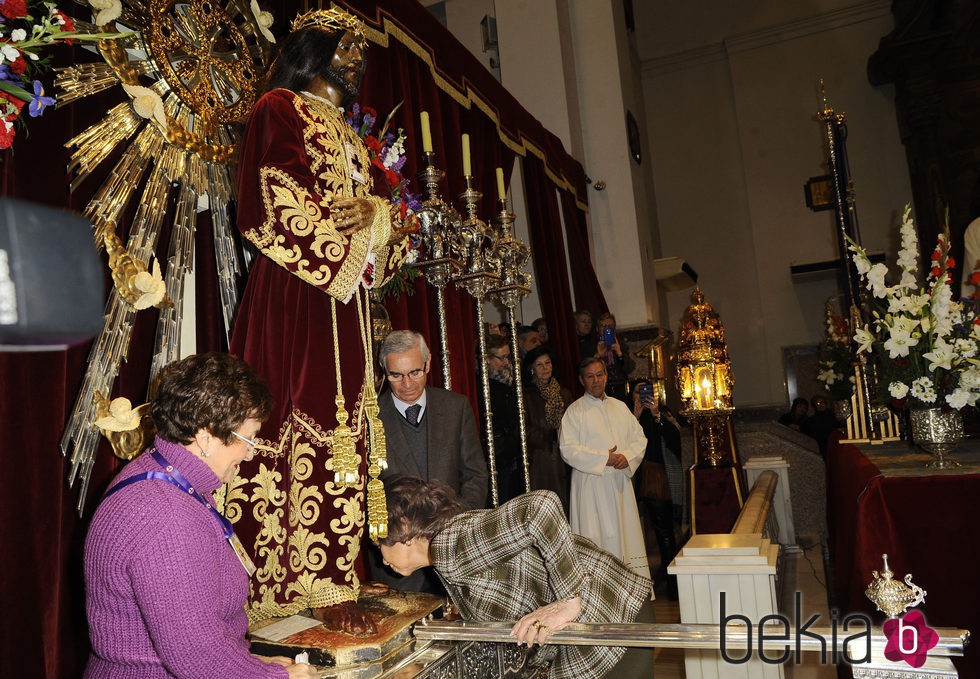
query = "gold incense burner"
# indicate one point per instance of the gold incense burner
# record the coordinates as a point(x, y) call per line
point(890, 596)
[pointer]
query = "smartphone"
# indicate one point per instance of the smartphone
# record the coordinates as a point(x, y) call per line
point(645, 390)
point(609, 336)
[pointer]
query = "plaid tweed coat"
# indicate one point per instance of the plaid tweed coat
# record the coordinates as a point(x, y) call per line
point(501, 564)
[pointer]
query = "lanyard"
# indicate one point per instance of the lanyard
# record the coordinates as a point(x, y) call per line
point(174, 478)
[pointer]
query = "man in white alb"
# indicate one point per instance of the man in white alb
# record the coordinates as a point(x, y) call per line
point(604, 444)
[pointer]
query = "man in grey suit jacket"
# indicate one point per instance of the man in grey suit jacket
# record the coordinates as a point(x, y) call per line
point(430, 433)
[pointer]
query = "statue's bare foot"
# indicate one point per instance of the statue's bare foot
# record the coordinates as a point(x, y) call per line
point(347, 617)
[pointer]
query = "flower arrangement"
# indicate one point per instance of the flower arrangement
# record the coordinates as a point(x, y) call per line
point(834, 359)
point(925, 341)
point(26, 28)
point(387, 151)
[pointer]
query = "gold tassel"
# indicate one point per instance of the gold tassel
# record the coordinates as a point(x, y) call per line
point(378, 447)
point(344, 448)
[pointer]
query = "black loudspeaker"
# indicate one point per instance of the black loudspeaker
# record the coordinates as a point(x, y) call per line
point(51, 281)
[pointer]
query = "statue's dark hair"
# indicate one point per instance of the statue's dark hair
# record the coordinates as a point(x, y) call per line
point(303, 56)
point(418, 508)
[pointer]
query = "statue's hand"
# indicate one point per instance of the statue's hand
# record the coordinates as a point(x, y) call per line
point(347, 617)
point(408, 226)
point(350, 215)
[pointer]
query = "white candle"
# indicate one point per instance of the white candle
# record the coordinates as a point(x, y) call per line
point(426, 133)
point(467, 170)
point(501, 190)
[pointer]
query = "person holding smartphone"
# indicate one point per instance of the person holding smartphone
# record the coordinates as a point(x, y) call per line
point(661, 459)
point(613, 353)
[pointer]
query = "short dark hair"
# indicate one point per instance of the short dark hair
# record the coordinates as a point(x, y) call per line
point(525, 330)
point(538, 322)
point(797, 401)
point(303, 55)
point(496, 342)
point(214, 391)
point(587, 361)
point(418, 508)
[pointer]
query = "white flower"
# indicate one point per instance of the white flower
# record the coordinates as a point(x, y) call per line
point(876, 279)
point(958, 399)
point(941, 356)
point(18, 34)
point(898, 389)
point(264, 21)
point(899, 342)
point(107, 11)
point(828, 376)
point(8, 53)
point(966, 348)
point(152, 287)
point(908, 324)
point(865, 339)
point(923, 390)
point(147, 103)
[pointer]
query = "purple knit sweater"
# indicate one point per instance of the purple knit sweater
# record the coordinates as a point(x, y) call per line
point(165, 592)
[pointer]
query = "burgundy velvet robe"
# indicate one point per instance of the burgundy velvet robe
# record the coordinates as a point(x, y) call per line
point(304, 531)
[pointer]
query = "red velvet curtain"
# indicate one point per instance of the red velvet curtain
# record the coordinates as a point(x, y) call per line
point(551, 270)
point(588, 293)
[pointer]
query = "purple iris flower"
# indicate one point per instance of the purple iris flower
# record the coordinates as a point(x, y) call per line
point(9, 77)
point(39, 101)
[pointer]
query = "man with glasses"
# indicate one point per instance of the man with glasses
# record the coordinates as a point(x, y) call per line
point(431, 433)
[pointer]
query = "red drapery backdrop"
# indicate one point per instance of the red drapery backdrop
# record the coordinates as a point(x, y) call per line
point(416, 62)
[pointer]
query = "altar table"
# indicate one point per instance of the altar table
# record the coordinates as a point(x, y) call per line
point(883, 500)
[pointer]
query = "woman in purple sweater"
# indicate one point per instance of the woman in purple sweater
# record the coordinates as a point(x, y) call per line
point(165, 584)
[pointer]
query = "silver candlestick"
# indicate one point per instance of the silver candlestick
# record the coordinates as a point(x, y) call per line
point(440, 225)
point(515, 284)
point(479, 275)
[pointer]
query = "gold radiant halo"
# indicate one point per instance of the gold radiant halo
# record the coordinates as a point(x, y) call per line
point(192, 70)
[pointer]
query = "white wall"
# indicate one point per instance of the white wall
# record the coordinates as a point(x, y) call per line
point(733, 136)
point(726, 103)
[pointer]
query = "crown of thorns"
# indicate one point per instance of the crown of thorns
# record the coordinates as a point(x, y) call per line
point(332, 20)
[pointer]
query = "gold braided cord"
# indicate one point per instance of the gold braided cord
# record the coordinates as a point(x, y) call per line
point(377, 503)
point(344, 443)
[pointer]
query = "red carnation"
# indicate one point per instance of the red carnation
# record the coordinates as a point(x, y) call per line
point(66, 23)
point(372, 143)
point(6, 135)
point(13, 9)
point(18, 65)
point(17, 102)
point(392, 178)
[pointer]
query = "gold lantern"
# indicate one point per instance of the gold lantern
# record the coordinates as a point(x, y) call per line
point(705, 382)
point(704, 375)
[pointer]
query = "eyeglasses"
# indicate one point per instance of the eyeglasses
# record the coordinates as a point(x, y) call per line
point(416, 374)
point(499, 357)
point(248, 442)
